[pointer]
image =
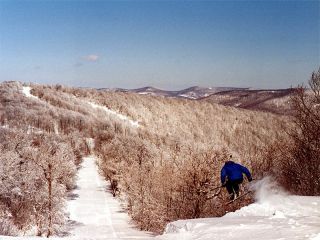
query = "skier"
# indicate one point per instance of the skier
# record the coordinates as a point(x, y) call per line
point(232, 176)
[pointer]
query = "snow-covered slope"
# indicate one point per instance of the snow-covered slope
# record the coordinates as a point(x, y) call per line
point(118, 115)
point(275, 215)
point(27, 92)
point(94, 213)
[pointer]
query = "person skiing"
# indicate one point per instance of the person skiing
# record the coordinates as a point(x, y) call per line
point(232, 176)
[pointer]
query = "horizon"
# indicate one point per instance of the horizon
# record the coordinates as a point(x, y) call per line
point(157, 88)
point(169, 45)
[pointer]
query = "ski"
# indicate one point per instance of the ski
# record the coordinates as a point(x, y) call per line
point(242, 195)
point(210, 190)
point(214, 194)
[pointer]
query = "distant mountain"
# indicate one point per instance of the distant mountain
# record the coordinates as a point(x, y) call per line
point(275, 101)
point(267, 100)
point(189, 93)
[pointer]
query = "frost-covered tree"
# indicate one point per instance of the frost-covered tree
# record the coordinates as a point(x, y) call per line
point(35, 171)
point(304, 168)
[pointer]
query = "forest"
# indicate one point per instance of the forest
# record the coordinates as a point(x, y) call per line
point(161, 168)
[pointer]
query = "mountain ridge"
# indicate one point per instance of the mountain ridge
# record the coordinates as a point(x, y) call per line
point(268, 100)
point(194, 92)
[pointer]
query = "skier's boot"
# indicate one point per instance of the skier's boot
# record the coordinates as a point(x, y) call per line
point(237, 194)
point(232, 196)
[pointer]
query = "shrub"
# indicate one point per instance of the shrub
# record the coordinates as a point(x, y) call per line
point(303, 171)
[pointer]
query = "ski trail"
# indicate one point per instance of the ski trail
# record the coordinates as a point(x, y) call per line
point(118, 115)
point(108, 213)
point(27, 92)
point(94, 213)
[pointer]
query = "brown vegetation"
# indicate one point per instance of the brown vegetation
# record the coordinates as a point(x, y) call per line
point(296, 162)
point(276, 101)
point(162, 169)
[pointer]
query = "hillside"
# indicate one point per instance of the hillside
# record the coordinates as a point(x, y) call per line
point(274, 215)
point(195, 92)
point(141, 141)
point(268, 100)
point(274, 101)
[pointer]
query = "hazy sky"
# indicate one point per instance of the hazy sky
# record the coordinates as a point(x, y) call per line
point(166, 44)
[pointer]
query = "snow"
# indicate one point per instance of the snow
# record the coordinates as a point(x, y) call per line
point(118, 115)
point(56, 128)
point(147, 93)
point(187, 96)
point(33, 130)
point(27, 92)
point(90, 142)
point(275, 215)
point(95, 213)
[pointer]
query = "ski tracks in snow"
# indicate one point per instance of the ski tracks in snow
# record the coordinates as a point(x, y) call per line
point(94, 213)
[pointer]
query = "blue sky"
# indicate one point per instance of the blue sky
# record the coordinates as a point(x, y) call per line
point(166, 44)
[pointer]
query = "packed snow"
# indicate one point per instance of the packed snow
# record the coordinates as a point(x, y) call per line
point(111, 112)
point(274, 215)
point(95, 213)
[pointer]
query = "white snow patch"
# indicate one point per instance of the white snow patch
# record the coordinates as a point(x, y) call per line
point(90, 142)
point(275, 215)
point(27, 92)
point(147, 93)
point(187, 96)
point(111, 112)
point(315, 237)
point(56, 128)
point(34, 130)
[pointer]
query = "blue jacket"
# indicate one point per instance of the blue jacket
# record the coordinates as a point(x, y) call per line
point(233, 171)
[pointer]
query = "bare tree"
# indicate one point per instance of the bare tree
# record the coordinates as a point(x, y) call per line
point(304, 167)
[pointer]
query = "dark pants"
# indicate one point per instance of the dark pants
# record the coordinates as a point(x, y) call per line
point(233, 186)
